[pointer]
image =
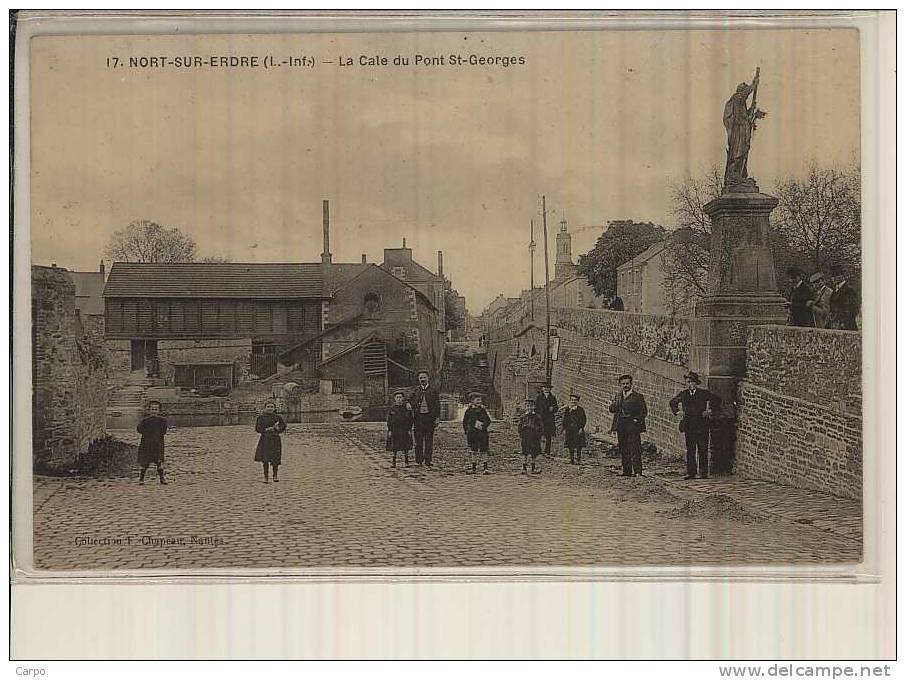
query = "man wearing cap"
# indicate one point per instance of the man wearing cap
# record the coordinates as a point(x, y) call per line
point(844, 303)
point(821, 303)
point(425, 404)
point(800, 296)
point(629, 412)
point(546, 406)
point(699, 405)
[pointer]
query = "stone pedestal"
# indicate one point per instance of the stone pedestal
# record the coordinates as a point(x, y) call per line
point(742, 289)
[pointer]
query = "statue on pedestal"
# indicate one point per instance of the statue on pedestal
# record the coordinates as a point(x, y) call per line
point(740, 121)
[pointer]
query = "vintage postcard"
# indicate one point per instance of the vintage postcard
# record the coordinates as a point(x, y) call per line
point(460, 299)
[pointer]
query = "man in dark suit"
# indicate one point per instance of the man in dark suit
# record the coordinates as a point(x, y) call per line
point(425, 405)
point(629, 412)
point(698, 406)
point(800, 297)
point(844, 303)
point(546, 406)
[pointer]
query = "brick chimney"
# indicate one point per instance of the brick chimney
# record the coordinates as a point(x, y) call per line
point(326, 257)
point(364, 258)
point(440, 263)
point(101, 268)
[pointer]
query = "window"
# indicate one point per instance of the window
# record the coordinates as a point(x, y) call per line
point(372, 303)
point(338, 386)
point(399, 272)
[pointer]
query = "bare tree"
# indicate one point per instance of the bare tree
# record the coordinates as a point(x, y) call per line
point(687, 258)
point(821, 216)
point(146, 241)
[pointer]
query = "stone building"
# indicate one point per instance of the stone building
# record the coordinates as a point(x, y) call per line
point(569, 288)
point(352, 328)
point(69, 390)
point(642, 282)
point(378, 330)
point(89, 299)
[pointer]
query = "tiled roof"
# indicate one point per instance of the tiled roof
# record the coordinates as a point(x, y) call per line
point(215, 280)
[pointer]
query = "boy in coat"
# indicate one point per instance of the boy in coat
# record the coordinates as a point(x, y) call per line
point(151, 448)
point(270, 449)
point(475, 423)
point(574, 421)
point(546, 406)
point(399, 428)
point(698, 405)
point(530, 430)
point(629, 412)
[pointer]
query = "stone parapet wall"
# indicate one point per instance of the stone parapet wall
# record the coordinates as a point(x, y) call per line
point(821, 366)
point(800, 409)
point(661, 337)
point(69, 368)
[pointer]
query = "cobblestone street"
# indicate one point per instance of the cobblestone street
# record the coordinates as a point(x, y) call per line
point(339, 504)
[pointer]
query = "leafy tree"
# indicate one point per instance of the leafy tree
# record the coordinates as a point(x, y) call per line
point(146, 241)
point(621, 241)
point(453, 315)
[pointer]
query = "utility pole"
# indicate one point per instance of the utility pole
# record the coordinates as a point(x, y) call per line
point(531, 248)
point(547, 294)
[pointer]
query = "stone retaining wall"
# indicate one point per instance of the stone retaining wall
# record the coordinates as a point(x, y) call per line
point(800, 409)
point(69, 392)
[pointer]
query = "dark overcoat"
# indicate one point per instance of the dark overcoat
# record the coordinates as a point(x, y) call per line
point(547, 407)
point(800, 313)
point(574, 421)
point(629, 413)
point(151, 447)
point(399, 427)
point(844, 308)
point(477, 438)
point(530, 429)
point(694, 406)
point(270, 448)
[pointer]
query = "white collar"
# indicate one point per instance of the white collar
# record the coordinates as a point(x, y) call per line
point(840, 285)
point(626, 394)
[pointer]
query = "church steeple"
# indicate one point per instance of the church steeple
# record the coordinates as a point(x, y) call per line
point(564, 267)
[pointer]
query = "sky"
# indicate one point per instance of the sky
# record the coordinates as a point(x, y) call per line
point(452, 158)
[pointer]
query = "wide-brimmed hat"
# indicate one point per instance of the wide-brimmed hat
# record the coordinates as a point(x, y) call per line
point(816, 277)
point(472, 395)
point(693, 376)
point(575, 396)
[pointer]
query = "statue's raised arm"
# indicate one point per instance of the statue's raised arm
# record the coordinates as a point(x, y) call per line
point(739, 121)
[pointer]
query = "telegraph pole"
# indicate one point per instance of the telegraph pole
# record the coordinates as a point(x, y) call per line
point(531, 249)
point(547, 293)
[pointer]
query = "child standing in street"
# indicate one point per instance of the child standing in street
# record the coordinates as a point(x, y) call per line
point(399, 428)
point(475, 423)
point(531, 428)
point(270, 449)
point(574, 421)
point(151, 448)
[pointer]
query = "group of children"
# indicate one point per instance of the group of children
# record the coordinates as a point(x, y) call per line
point(400, 420)
point(475, 424)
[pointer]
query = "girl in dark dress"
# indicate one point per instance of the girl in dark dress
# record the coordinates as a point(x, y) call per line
point(530, 430)
point(574, 421)
point(151, 449)
point(270, 448)
point(475, 423)
point(399, 428)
